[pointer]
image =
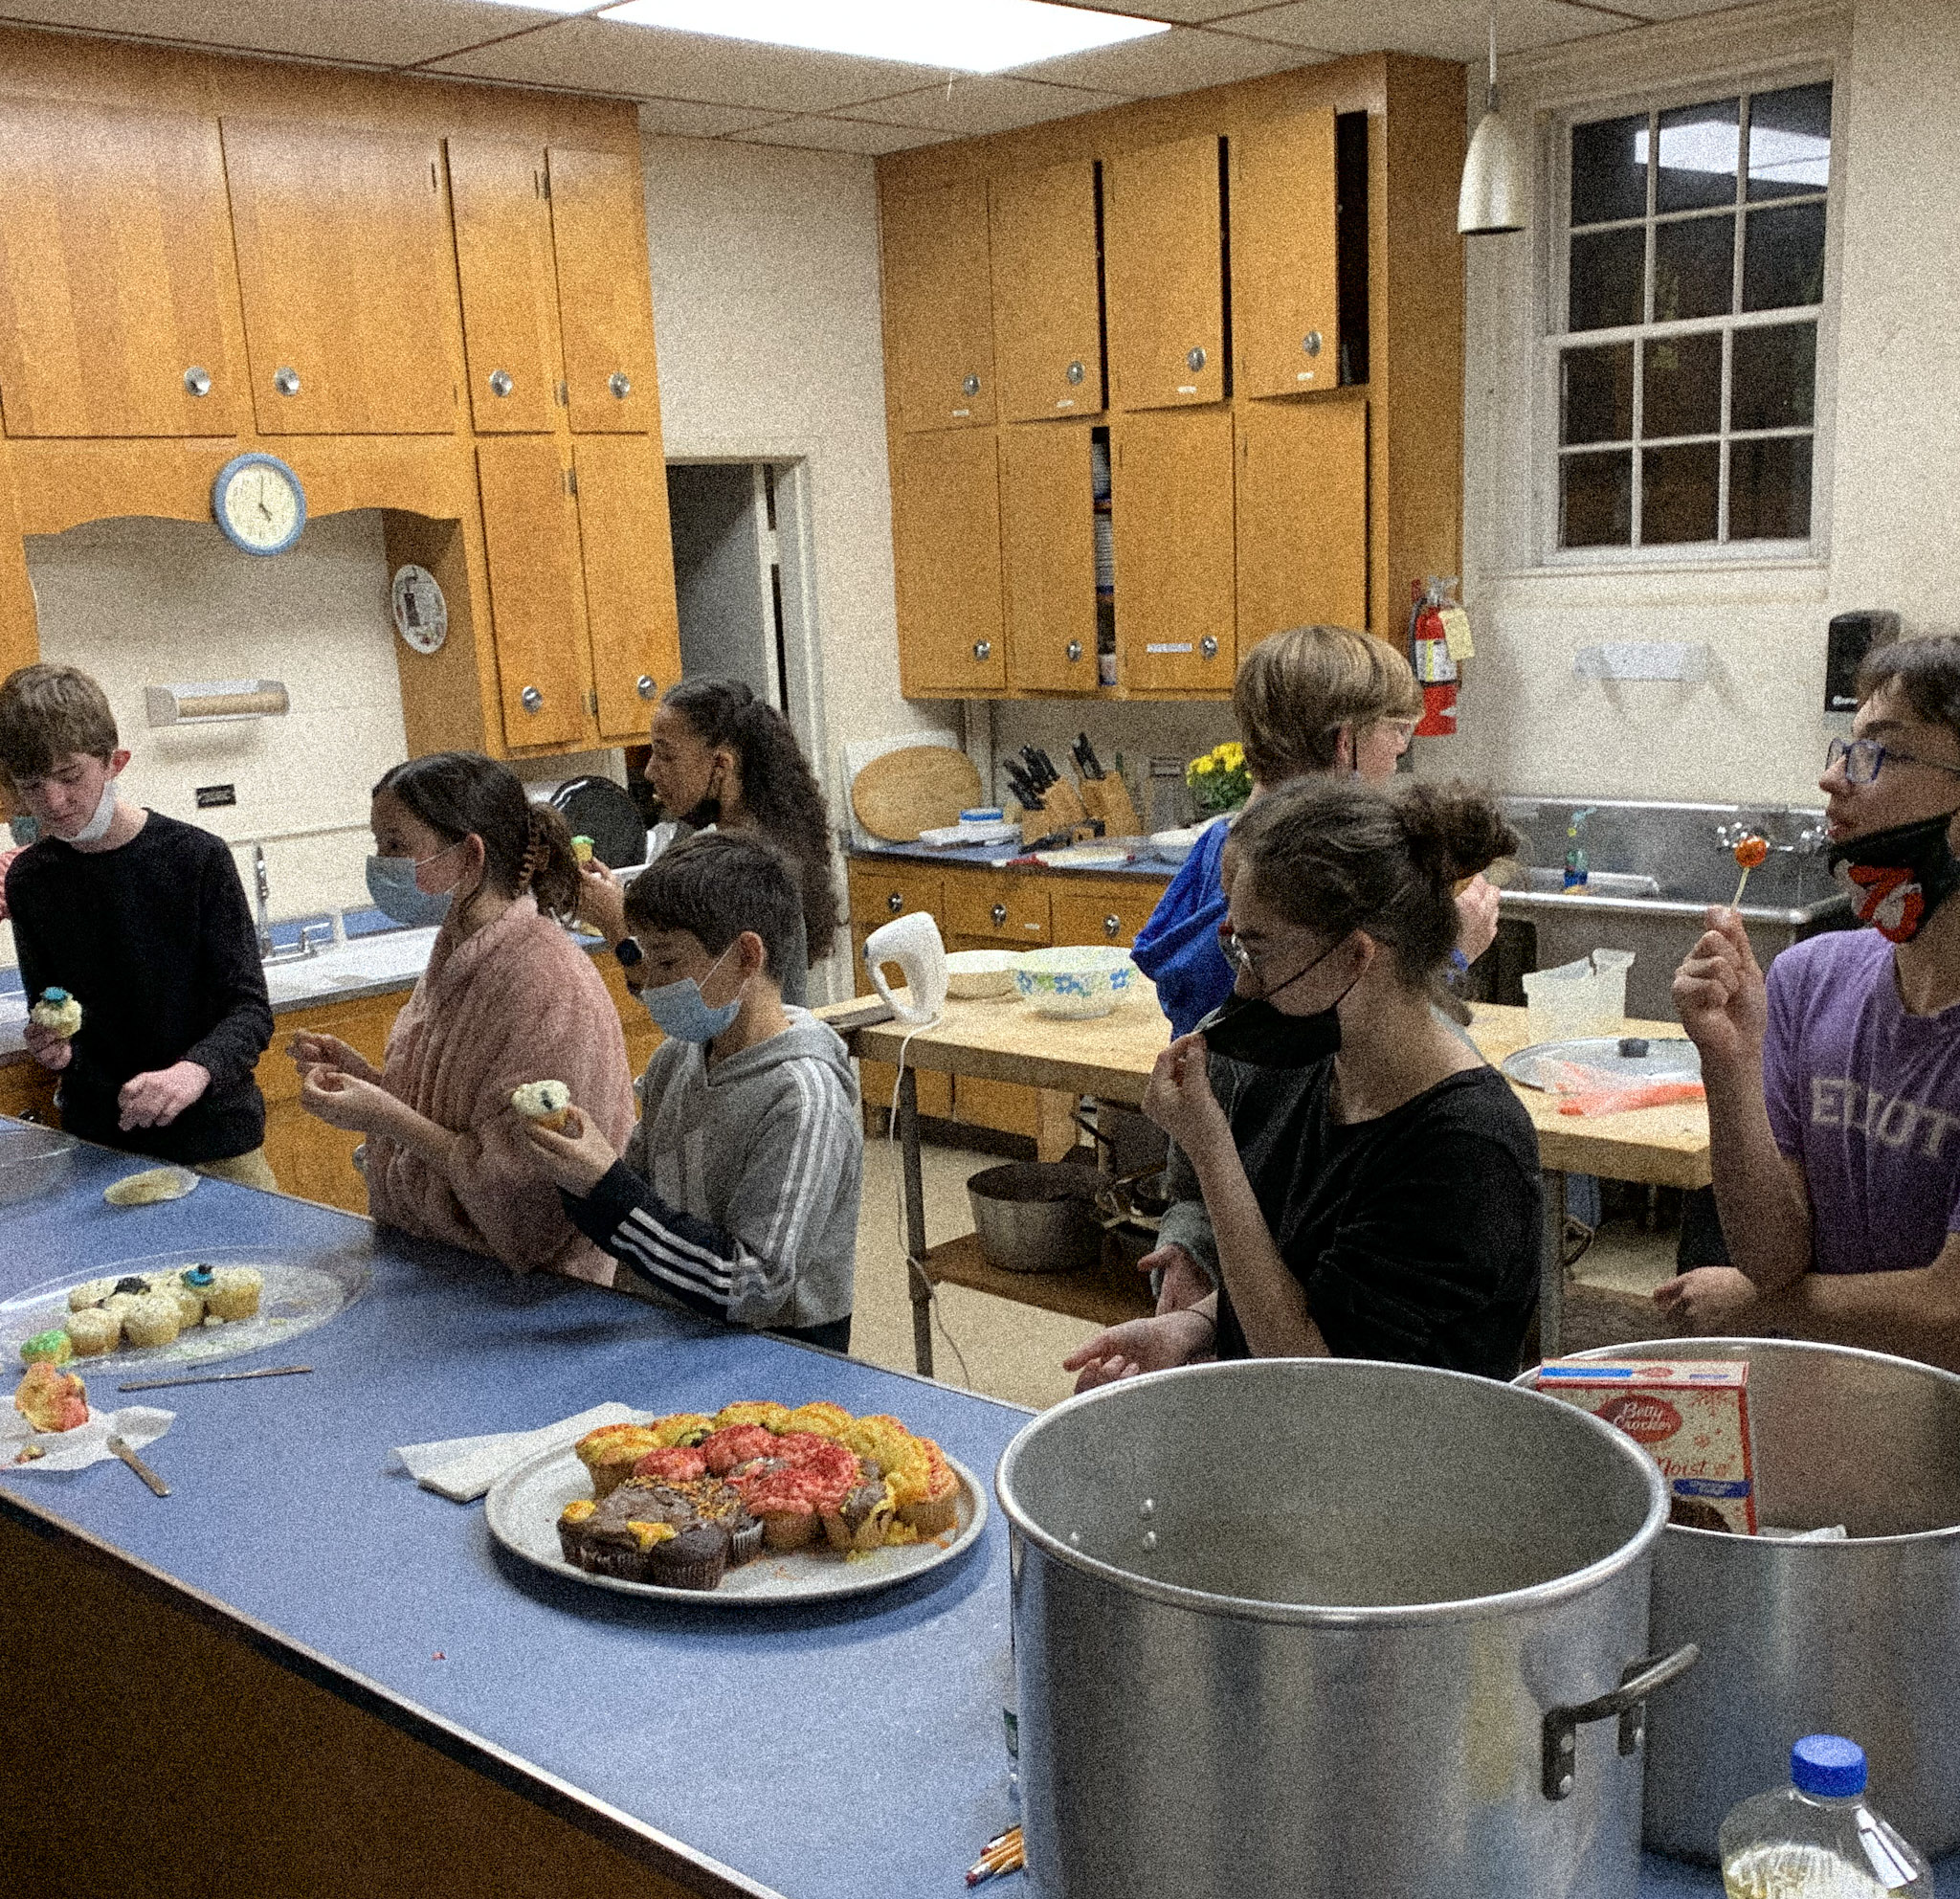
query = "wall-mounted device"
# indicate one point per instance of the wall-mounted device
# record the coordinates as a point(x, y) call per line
point(1852, 635)
point(214, 701)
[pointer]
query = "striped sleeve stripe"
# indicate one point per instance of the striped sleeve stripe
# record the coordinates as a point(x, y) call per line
point(818, 1089)
point(651, 1246)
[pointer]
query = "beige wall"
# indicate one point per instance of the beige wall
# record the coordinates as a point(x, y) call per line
point(1888, 445)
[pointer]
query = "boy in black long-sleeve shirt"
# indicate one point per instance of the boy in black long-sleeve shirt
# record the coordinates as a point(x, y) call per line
point(142, 920)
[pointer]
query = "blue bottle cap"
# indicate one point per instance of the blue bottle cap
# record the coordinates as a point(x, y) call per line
point(1827, 1766)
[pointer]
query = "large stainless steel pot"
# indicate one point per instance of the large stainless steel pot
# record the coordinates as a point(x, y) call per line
point(1329, 1627)
point(1859, 1636)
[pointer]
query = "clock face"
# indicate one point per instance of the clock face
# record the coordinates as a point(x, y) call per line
point(259, 505)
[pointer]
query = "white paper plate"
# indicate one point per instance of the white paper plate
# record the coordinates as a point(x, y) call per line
point(300, 1293)
point(1083, 857)
point(525, 1504)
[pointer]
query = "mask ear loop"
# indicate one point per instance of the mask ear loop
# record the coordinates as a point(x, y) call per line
point(534, 850)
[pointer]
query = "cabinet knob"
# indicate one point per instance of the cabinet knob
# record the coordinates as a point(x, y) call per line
point(531, 699)
point(895, 903)
point(1112, 926)
point(621, 384)
point(1195, 358)
point(286, 380)
point(645, 685)
point(1208, 647)
point(1311, 343)
point(998, 913)
point(197, 379)
point(500, 381)
point(1074, 650)
point(983, 650)
point(1074, 373)
point(970, 385)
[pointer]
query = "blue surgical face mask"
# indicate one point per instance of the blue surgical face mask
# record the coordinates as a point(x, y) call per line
point(680, 1010)
point(398, 896)
point(24, 829)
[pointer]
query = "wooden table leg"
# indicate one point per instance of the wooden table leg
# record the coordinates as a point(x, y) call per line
point(1551, 1271)
point(917, 1282)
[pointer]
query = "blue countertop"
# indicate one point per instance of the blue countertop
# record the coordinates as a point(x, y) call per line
point(285, 1517)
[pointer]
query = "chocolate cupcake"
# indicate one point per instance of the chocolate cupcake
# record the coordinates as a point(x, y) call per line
point(696, 1558)
point(858, 1522)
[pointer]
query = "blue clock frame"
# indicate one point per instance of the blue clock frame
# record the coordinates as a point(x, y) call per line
point(256, 458)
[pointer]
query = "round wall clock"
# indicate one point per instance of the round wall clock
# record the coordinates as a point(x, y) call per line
point(258, 502)
point(421, 614)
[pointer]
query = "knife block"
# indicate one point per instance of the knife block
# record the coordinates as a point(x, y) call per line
point(1060, 810)
point(1109, 799)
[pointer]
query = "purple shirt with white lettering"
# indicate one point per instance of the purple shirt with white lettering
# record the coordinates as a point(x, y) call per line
point(1868, 1097)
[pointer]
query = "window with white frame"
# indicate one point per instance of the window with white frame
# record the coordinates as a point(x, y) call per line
point(1686, 303)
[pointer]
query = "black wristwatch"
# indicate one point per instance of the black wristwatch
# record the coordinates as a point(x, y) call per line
point(628, 952)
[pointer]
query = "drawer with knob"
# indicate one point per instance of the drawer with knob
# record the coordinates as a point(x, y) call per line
point(1001, 907)
point(1106, 913)
point(878, 895)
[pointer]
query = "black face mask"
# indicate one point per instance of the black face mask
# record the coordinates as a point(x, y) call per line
point(1897, 878)
point(707, 811)
point(1250, 1029)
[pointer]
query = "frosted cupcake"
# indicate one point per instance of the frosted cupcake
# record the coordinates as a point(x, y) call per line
point(94, 1331)
point(52, 1346)
point(58, 1012)
point(234, 1293)
point(91, 1293)
point(543, 1103)
point(154, 1319)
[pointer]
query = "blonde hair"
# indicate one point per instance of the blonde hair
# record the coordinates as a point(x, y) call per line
point(1296, 689)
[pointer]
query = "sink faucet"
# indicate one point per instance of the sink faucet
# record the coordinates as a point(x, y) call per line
point(269, 951)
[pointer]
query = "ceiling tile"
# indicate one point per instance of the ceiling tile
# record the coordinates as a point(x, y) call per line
point(650, 62)
point(685, 118)
point(1671, 10)
point(388, 32)
point(1180, 60)
point(1442, 29)
point(986, 103)
point(1185, 13)
point(859, 135)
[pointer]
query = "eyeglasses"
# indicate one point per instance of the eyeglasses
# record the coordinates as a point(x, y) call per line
point(1863, 759)
point(1242, 960)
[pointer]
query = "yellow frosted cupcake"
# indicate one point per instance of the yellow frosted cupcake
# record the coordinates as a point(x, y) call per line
point(94, 1331)
point(543, 1103)
point(820, 1416)
point(234, 1293)
point(58, 1012)
point(765, 1412)
point(153, 1320)
point(91, 1293)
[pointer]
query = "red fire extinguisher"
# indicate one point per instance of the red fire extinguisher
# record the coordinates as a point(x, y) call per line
point(1430, 656)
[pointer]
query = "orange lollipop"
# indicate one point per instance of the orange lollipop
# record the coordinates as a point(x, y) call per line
point(1749, 852)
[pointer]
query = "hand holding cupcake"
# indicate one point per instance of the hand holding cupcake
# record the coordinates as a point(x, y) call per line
point(569, 1147)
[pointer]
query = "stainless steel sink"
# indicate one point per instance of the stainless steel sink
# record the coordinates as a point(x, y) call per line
point(1653, 870)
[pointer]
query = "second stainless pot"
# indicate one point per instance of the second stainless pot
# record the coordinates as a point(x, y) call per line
point(1329, 1627)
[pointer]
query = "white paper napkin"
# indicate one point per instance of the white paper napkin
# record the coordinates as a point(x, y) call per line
point(140, 1425)
point(463, 1469)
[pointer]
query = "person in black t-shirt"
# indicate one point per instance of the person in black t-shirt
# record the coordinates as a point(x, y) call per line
point(142, 920)
point(1353, 1177)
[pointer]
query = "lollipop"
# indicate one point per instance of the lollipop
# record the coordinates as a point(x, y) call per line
point(1749, 852)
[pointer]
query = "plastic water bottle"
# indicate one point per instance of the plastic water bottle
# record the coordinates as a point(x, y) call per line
point(1819, 1838)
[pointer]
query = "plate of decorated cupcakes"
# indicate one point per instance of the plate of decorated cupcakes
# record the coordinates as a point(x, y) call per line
point(755, 1505)
point(179, 1309)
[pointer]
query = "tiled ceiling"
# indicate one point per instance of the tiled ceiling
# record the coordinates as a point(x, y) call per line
point(693, 85)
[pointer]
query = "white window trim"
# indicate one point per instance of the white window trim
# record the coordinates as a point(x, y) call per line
point(1511, 397)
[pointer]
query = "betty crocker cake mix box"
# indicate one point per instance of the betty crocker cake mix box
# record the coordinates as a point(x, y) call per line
point(1693, 1416)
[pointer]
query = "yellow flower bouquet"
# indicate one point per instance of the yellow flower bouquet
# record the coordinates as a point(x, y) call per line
point(1219, 781)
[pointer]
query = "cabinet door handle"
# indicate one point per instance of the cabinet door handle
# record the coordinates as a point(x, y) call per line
point(621, 384)
point(286, 380)
point(895, 903)
point(1208, 647)
point(197, 379)
point(1074, 650)
point(645, 685)
point(1112, 926)
point(1195, 358)
point(531, 699)
point(500, 381)
point(1311, 343)
point(1074, 373)
point(969, 385)
point(983, 650)
point(998, 913)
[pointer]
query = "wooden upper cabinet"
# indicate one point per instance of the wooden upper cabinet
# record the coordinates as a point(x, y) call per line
point(115, 274)
point(510, 289)
point(530, 534)
point(605, 295)
point(1172, 491)
point(1164, 270)
point(1047, 293)
point(629, 562)
point(1303, 517)
point(938, 305)
point(1048, 557)
point(1284, 288)
point(348, 271)
point(945, 543)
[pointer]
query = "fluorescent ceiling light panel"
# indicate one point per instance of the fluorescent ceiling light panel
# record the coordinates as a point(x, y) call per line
point(972, 37)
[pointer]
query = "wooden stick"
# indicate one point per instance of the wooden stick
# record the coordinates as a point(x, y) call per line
point(212, 1378)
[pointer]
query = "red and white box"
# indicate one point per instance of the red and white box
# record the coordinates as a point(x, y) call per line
point(1692, 1415)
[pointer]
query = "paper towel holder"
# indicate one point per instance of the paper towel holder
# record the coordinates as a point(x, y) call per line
point(214, 701)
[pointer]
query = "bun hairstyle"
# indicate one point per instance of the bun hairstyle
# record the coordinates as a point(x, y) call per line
point(1296, 689)
point(527, 846)
point(779, 792)
point(1333, 854)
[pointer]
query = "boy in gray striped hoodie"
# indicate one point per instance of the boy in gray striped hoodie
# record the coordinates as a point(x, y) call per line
point(738, 1192)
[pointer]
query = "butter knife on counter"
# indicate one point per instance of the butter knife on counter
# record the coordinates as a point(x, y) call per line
point(137, 1464)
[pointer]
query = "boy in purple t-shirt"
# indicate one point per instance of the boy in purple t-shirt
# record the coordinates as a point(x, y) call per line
point(1833, 1089)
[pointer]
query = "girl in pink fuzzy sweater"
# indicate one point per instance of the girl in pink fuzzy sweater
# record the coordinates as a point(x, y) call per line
point(507, 998)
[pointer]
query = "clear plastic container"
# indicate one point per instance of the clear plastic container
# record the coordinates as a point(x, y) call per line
point(1817, 1837)
point(1588, 998)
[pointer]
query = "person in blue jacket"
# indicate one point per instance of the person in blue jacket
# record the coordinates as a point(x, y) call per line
point(1312, 700)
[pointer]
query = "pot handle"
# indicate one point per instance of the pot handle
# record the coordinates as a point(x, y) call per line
point(1638, 1680)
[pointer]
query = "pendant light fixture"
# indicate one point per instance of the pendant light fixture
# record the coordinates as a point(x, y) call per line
point(1492, 198)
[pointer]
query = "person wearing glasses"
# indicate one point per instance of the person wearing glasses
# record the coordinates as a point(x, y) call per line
point(1356, 1180)
point(1834, 1085)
